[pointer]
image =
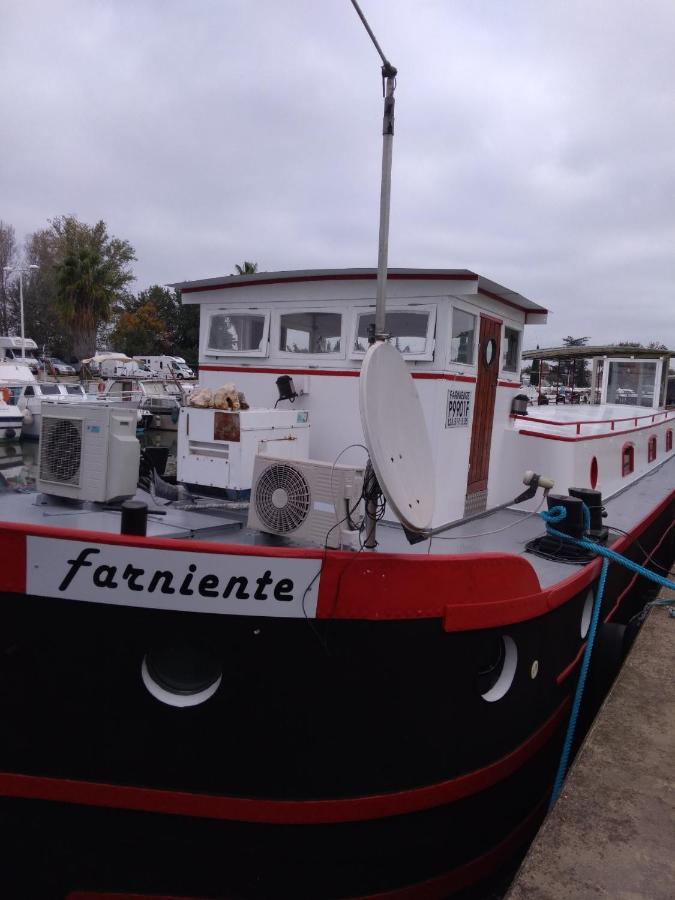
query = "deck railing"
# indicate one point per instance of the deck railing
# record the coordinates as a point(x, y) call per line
point(611, 422)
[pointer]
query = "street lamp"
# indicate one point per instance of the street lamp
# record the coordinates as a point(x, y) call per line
point(21, 270)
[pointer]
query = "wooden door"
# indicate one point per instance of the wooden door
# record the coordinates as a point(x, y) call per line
point(484, 403)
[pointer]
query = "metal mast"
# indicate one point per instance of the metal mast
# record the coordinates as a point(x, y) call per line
point(388, 87)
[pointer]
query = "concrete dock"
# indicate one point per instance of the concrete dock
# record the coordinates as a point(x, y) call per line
point(612, 831)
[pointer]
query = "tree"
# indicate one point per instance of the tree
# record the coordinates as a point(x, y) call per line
point(7, 258)
point(155, 322)
point(575, 372)
point(249, 268)
point(92, 272)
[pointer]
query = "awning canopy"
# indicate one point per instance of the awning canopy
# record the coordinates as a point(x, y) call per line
point(587, 352)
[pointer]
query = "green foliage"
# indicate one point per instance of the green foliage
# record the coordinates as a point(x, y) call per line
point(92, 272)
point(155, 322)
point(249, 268)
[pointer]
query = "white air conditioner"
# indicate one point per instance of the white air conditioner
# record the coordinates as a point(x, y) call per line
point(306, 500)
point(88, 451)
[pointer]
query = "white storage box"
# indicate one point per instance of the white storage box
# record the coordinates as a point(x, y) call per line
point(217, 448)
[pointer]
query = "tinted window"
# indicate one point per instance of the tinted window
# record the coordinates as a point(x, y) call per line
point(463, 337)
point(511, 340)
point(75, 389)
point(310, 332)
point(236, 333)
point(408, 331)
point(49, 389)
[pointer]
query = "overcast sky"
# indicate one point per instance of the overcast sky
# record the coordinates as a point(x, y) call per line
point(535, 141)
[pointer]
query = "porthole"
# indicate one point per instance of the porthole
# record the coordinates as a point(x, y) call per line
point(489, 352)
point(594, 472)
point(181, 676)
point(507, 670)
point(586, 614)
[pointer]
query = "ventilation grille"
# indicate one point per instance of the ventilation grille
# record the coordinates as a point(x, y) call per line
point(282, 498)
point(60, 450)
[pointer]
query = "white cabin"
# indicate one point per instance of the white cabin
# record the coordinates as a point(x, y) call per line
point(460, 333)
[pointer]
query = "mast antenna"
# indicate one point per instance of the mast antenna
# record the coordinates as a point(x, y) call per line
point(389, 73)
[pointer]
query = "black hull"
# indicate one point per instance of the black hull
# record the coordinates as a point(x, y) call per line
point(418, 778)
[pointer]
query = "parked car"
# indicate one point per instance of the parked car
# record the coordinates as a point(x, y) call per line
point(56, 366)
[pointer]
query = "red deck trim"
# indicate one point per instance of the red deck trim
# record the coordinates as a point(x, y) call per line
point(279, 812)
point(460, 589)
point(590, 437)
point(335, 373)
point(509, 384)
point(347, 276)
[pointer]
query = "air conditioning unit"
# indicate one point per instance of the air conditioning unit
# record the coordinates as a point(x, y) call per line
point(88, 451)
point(306, 500)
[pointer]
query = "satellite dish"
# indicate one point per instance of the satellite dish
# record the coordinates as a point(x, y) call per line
point(396, 435)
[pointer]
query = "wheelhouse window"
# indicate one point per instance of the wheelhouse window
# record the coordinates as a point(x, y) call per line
point(75, 389)
point(511, 349)
point(627, 459)
point(49, 390)
point(463, 339)
point(240, 333)
point(651, 448)
point(310, 332)
point(411, 331)
point(631, 382)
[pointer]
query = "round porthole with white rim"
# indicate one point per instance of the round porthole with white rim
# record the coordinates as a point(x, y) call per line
point(509, 663)
point(586, 614)
point(489, 352)
point(181, 676)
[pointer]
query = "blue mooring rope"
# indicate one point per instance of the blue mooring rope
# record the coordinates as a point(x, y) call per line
point(555, 515)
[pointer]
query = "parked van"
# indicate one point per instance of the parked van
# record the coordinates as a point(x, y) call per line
point(10, 351)
point(174, 366)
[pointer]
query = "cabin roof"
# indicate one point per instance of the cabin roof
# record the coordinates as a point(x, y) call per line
point(586, 352)
point(484, 285)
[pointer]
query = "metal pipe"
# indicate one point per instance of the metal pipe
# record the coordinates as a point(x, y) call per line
point(389, 73)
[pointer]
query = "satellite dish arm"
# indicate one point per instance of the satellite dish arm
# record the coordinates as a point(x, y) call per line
point(531, 479)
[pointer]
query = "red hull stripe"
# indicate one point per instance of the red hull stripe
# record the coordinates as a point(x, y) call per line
point(278, 812)
point(335, 373)
point(464, 876)
point(434, 889)
point(613, 611)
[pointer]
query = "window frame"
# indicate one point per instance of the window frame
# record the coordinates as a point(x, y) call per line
point(624, 470)
point(651, 448)
point(229, 311)
point(369, 309)
point(475, 312)
point(313, 355)
point(669, 440)
point(519, 332)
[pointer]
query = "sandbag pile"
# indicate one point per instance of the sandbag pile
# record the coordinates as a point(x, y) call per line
point(225, 397)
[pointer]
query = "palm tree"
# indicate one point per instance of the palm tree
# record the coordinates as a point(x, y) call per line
point(90, 279)
point(249, 268)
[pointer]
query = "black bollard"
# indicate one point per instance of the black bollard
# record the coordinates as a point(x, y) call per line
point(134, 517)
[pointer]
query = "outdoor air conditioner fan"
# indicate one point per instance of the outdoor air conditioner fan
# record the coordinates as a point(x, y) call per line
point(282, 498)
point(305, 499)
point(88, 451)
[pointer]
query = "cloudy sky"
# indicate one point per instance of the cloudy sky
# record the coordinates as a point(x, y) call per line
point(535, 141)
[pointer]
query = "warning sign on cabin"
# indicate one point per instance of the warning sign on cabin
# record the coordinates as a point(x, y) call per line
point(458, 409)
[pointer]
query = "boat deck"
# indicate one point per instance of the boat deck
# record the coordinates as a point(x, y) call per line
point(506, 531)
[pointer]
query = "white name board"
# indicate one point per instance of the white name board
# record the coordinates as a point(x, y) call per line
point(177, 580)
point(459, 406)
